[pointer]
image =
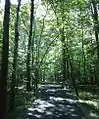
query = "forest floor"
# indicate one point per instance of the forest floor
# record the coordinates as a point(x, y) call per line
point(89, 99)
point(54, 102)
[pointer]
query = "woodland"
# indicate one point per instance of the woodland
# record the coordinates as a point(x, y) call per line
point(48, 42)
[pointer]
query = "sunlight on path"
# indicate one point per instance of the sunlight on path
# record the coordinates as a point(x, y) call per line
point(55, 103)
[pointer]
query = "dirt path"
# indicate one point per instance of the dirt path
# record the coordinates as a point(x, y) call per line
point(54, 103)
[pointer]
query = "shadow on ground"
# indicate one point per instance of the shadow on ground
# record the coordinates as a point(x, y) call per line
point(54, 103)
point(89, 99)
point(92, 111)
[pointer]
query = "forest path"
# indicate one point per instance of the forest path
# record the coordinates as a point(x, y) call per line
point(55, 103)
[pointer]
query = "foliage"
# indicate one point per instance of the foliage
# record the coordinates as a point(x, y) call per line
point(64, 44)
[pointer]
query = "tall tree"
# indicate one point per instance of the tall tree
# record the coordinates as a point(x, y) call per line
point(4, 65)
point(13, 81)
point(62, 32)
point(94, 10)
point(28, 85)
point(83, 51)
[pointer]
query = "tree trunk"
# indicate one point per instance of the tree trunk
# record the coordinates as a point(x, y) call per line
point(63, 57)
point(28, 84)
point(13, 81)
point(96, 24)
point(4, 65)
point(73, 78)
point(83, 50)
point(83, 58)
point(94, 11)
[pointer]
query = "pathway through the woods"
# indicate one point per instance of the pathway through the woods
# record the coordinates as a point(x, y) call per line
point(54, 103)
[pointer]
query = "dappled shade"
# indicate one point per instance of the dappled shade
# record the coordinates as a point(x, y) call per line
point(55, 103)
point(49, 59)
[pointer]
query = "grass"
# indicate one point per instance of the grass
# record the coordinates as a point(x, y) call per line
point(89, 99)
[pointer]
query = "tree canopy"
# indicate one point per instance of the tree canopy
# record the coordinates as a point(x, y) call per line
point(47, 41)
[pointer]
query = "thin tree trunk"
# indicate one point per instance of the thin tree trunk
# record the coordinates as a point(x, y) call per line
point(83, 51)
point(13, 81)
point(37, 71)
point(83, 57)
point(96, 24)
point(28, 84)
point(63, 47)
point(94, 11)
point(32, 48)
point(73, 78)
point(4, 65)
point(63, 57)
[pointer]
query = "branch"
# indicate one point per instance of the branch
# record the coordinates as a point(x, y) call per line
point(48, 49)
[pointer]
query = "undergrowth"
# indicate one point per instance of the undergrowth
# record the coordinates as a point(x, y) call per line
point(89, 99)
